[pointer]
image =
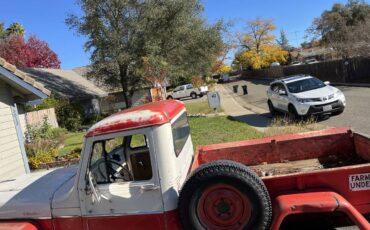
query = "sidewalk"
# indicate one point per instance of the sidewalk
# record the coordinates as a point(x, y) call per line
point(232, 108)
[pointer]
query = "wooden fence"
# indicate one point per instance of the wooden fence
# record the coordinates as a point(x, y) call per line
point(356, 70)
point(36, 118)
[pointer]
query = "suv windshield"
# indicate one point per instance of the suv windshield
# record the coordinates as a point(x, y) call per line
point(305, 85)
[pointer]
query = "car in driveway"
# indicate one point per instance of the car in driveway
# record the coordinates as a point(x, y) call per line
point(311, 61)
point(188, 90)
point(304, 96)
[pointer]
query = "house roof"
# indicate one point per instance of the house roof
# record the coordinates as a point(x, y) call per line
point(138, 117)
point(66, 83)
point(84, 71)
point(22, 81)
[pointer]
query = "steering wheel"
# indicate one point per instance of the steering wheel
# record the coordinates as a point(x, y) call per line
point(122, 172)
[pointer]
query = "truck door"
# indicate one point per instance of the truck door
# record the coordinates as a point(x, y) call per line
point(123, 186)
point(179, 92)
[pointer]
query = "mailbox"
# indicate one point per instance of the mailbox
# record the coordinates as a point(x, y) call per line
point(213, 100)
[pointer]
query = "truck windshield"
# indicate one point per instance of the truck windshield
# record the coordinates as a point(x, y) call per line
point(305, 85)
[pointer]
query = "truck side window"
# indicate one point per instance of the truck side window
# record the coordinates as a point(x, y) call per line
point(138, 141)
point(111, 161)
point(180, 133)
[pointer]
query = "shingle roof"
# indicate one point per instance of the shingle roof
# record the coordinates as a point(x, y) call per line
point(24, 76)
point(66, 83)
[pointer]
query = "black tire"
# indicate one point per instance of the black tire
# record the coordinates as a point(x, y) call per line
point(193, 95)
point(292, 113)
point(220, 183)
point(272, 109)
point(169, 98)
point(337, 112)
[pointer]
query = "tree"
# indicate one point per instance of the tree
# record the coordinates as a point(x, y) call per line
point(283, 41)
point(345, 28)
point(28, 53)
point(258, 47)
point(121, 33)
point(15, 28)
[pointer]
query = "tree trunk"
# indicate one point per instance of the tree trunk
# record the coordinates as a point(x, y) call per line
point(124, 83)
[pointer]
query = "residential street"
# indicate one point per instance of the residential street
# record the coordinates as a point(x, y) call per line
point(355, 115)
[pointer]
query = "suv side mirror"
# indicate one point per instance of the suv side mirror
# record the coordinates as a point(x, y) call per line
point(282, 92)
point(327, 82)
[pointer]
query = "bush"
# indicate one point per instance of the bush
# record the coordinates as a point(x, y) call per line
point(44, 143)
point(69, 115)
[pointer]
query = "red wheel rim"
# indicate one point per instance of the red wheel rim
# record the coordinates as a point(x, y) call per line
point(222, 206)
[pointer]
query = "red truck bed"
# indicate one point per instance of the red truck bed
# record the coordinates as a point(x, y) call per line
point(335, 160)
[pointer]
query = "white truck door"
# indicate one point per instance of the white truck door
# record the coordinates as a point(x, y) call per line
point(129, 196)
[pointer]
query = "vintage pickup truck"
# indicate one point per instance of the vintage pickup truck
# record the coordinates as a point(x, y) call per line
point(138, 171)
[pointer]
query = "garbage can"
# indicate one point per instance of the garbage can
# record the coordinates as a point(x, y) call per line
point(235, 88)
point(245, 89)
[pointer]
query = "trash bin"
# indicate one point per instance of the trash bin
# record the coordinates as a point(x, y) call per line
point(235, 88)
point(245, 89)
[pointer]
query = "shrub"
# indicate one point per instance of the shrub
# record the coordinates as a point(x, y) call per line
point(44, 143)
point(69, 115)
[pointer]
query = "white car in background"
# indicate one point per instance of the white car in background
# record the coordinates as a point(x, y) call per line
point(188, 90)
point(303, 96)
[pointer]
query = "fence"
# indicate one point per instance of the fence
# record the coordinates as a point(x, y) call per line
point(356, 70)
point(36, 118)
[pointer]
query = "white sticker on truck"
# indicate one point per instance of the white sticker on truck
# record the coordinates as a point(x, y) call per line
point(358, 182)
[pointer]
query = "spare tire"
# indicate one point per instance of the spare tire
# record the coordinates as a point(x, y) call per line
point(224, 195)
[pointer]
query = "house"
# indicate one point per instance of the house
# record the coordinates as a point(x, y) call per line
point(16, 89)
point(70, 85)
point(115, 99)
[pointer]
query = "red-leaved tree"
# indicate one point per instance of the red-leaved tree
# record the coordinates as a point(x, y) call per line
point(28, 53)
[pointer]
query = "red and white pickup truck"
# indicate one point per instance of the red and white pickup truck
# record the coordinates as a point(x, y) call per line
point(138, 171)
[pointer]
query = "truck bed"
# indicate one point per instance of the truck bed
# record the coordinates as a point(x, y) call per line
point(309, 165)
point(334, 160)
point(293, 153)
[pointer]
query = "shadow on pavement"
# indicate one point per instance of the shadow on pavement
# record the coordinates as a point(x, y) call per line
point(256, 120)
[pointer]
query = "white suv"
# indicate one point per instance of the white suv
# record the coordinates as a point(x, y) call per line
point(303, 95)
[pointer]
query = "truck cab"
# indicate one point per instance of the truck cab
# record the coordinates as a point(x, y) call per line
point(132, 167)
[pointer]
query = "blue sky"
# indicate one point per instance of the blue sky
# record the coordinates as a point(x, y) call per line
point(45, 19)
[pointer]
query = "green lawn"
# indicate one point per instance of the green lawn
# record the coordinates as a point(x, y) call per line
point(73, 140)
point(212, 130)
point(199, 107)
point(204, 131)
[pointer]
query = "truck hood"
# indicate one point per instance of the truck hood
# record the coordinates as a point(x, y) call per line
point(30, 195)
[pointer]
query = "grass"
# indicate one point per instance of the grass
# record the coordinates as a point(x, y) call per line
point(219, 129)
point(281, 126)
point(199, 107)
point(72, 141)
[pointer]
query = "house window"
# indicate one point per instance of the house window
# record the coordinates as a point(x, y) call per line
point(180, 133)
point(121, 159)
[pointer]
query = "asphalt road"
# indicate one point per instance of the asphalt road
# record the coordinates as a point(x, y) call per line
point(356, 114)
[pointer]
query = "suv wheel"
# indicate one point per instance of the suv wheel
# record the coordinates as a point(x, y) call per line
point(292, 114)
point(272, 109)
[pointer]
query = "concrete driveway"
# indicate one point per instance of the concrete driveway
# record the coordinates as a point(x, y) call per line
point(355, 115)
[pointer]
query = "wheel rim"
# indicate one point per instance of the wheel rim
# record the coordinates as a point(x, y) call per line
point(222, 206)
